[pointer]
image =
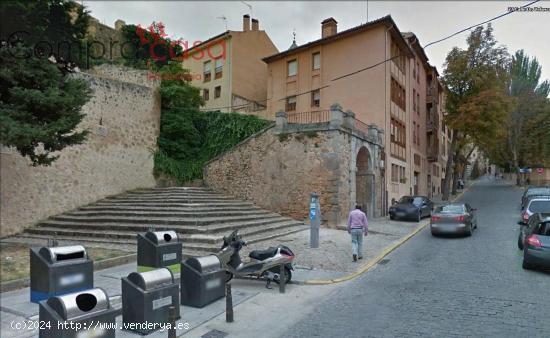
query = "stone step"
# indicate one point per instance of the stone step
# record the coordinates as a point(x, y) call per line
point(186, 199)
point(127, 240)
point(119, 233)
point(110, 234)
point(216, 238)
point(174, 189)
point(161, 220)
point(77, 239)
point(183, 229)
point(213, 248)
point(174, 204)
point(162, 213)
point(169, 193)
point(98, 208)
point(200, 216)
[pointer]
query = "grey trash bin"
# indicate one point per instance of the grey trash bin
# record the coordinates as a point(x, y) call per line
point(80, 314)
point(202, 281)
point(147, 297)
point(59, 270)
point(158, 249)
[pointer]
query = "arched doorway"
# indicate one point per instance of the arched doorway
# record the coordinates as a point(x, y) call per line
point(364, 182)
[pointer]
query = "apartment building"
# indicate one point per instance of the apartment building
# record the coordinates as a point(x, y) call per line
point(401, 96)
point(229, 70)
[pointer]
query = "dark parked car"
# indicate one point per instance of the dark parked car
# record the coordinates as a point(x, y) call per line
point(536, 247)
point(412, 207)
point(525, 227)
point(531, 191)
point(453, 218)
point(533, 206)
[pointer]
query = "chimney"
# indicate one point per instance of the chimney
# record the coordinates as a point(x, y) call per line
point(328, 27)
point(246, 23)
point(255, 24)
point(119, 24)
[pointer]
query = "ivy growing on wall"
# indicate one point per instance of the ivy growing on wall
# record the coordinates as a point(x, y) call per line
point(188, 137)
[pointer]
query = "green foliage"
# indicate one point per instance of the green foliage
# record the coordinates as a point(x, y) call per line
point(185, 147)
point(529, 133)
point(188, 137)
point(53, 27)
point(151, 47)
point(40, 105)
point(477, 103)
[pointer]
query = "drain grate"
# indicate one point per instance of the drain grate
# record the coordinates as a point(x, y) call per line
point(384, 262)
point(214, 334)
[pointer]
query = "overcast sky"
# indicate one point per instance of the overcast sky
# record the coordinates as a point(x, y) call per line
point(430, 20)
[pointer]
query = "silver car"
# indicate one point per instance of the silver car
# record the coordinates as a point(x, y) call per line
point(453, 219)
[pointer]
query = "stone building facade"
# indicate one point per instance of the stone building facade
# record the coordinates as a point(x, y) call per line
point(281, 166)
point(123, 118)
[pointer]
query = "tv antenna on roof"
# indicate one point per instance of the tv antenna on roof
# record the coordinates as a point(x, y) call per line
point(224, 20)
point(249, 7)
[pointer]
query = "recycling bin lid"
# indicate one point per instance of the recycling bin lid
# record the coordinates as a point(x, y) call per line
point(162, 237)
point(77, 304)
point(63, 253)
point(204, 264)
point(151, 279)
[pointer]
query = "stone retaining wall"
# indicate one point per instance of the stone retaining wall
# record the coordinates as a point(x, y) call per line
point(123, 119)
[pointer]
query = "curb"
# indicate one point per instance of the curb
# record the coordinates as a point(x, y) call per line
point(381, 256)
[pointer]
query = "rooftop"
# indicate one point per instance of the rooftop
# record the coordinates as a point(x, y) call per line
point(385, 21)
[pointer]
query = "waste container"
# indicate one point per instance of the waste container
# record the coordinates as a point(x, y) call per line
point(202, 281)
point(79, 314)
point(147, 297)
point(158, 249)
point(59, 270)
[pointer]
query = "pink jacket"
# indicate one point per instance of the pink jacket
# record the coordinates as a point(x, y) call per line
point(358, 220)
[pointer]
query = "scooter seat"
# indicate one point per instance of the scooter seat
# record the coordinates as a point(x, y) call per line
point(263, 254)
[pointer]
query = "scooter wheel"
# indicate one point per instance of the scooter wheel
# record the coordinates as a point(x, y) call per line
point(288, 274)
point(228, 276)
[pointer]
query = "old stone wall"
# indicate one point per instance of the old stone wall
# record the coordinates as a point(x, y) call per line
point(123, 119)
point(279, 172)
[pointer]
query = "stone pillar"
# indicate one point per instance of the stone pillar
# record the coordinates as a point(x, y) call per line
point(373, 132)
point(281, 120)
point(336, 116)
point(349, 119)
point(381, 139)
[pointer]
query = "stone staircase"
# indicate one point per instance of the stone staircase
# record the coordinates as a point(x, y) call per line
point(200, 216)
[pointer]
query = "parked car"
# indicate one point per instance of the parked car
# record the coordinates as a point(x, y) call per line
point(536, 248)
point(412, 207)
point(534, 205)
point(453, 218)
point(532, 191)
point(525, 227)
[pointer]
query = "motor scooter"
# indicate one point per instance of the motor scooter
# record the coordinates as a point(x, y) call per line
point(263, 264)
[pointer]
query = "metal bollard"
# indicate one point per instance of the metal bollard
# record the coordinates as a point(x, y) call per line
point(228, 304)
point(282, 279)
point(172, 321)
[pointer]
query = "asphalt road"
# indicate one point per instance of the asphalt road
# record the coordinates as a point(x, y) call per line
point(445, 287)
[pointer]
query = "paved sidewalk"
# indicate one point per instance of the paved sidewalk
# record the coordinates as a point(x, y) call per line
point(331, 260)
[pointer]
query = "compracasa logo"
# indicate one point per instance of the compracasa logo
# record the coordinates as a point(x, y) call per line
point(215, 49)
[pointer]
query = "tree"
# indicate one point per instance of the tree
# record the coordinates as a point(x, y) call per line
point(527, 137)
point(152, 49)
point(476, 103)
point(40, 104)
point(51, 27)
